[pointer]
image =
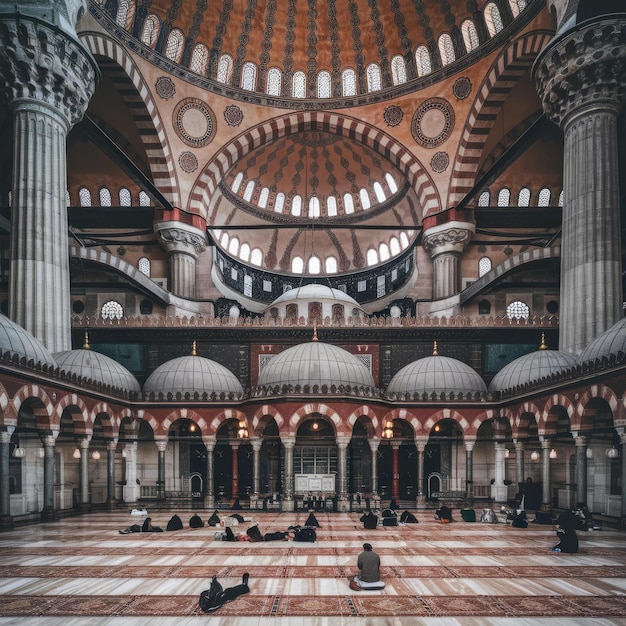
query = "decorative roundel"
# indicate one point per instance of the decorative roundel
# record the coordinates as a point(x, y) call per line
point(233, 115)
point(462, 88)
point(393, 115)
point(188, 162)
point(432, 122)
point(194, 122)
point(165, 87)
point(440, 161)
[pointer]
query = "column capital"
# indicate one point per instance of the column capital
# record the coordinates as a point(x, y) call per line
point(209, 442)
point(161, 444)
point(289, 441)
point(421, 443)
point(584, 67)
point(44, 64)
point(342, 441)
point(374, 443)
point(451, 237)
point(181, 238)
point(580, 441)
point(5, 437)
point(469, 444)
point(256, 443)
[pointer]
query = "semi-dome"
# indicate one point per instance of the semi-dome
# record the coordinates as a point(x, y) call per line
point(436, 374)
point(192, 374)
point(16, 340)
point(315, 291)
point(316, 363)
point(611, 341)
point(531, 367)
point(98, 367)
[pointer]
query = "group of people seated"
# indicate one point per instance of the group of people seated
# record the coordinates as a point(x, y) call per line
point(387, 517)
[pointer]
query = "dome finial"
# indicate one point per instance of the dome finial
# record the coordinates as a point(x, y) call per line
point(86, 345)
point(194, 348)
point(315, 331)
point(435, 351)
point(543, 345)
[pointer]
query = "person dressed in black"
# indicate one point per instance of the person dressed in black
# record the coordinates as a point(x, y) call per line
point(444, 514)
point(216, 596)
point(148, 527)
point(566, 532)
point(370, 521)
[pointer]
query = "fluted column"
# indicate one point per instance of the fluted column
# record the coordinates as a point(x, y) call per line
point(342, 473)
point(581, 468)
point(499, 489)
point(83, 445)
point(581, 79)
point(374, 443)
point(519, 461)
point(161, 445)
point(49, 511)
point(209, 442)
point(111, 448)
point(546, 501)
point(130, 488)
point(183, 244)
point(469, 469)
point(420, 444)
point(234, 466)
point(5, 492)
point(287, 503)
point(47, 77)
point(256, 443)
point(395, 470)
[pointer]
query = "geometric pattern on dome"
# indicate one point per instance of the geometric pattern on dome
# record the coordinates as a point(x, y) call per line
point(611, 341)
point(438, 374)
point(98, 367)
point(315, 363)
point(16, 340)
point(531, 367)
point(192, 374)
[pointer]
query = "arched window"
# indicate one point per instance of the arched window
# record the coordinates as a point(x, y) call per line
point(144, 198)
point(150, 32)
point(314, 207)
point(274, 82)
point(112, 310)
point(404, 241)
point(199, 62)
point(299, 85)
point(297, 265)
point(446, 49)
point(372, 257)
point(379, 192)
point(331, 265)
point(225, 69)
point(398, 70)
point(105, 197)
point(423, 62)
point(484, 266)
point(296, 206)
point(504, 197)
point(394, 245)
point(365, 199)
point(84, 196)
point(237, 182)
point(280, 202)
point(143, 265)
point(523, 199)
point(485, 198)
point(123, 9)
point(233, 246)
point(517, 6)
point(174, 45)
point(256, 258)
point(265, 194)
point(518, 310)
point(470, 35)
point(331, 206)
point(493, 19)
point(247, 194)
point(244, 252)
point(315, 265)
point(391, 182)
point(224, 241)
point(348, 82)
point(125, 197)
point(484, 307)
point(383, 250)
point(348, 204)
point(248, 76)
point(544, 197)
point(323, 84)
point(374, 79)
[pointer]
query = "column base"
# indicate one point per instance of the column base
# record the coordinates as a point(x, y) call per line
point(6, 522)
point(49, 515)
point(111, 504)
point(287, 505)
point(84, 507)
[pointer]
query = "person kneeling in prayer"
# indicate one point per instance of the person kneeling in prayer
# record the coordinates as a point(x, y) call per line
point(368, 577)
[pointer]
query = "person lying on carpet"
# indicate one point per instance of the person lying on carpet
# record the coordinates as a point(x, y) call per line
point(368, 577)
point(566, 532)
point(216, 596)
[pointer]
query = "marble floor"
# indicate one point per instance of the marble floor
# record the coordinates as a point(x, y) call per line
point(82, 571)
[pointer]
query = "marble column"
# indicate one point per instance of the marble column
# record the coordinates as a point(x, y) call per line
point(287, 503)
point(374, 443)
point(581, 79)
point(519, 462)
point(161, 445)
point(6, 520)
point(581, 468)
point(343, 504)
point(499, 490)
point(256, 443)
point(83, 463)
point(111, 448)
point(209, 442)
point(469, 469)
point(183, 244)
point(622, 438)
point(420, 444)
point(234, 464)
point(130, 488)
point(48, 77)
point(546, 501)
point(49, 511)
point(395, 470)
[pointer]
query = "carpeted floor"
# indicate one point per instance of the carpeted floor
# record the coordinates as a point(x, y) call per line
point(82, 571)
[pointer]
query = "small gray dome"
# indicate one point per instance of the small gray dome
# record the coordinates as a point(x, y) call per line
point(192, 374)
point(316, 291)
point(315, 363)
point(611, 341)
point(99, 367)
point(16, 340)
point(436, 374)
point(531, 367)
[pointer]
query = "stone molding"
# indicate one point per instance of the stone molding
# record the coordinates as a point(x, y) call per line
point(582, 68)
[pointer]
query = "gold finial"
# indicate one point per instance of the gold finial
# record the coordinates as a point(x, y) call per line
point(314, 330)
point(543, 345)
point(435, 353)
point(194, 349)
point(86, 345)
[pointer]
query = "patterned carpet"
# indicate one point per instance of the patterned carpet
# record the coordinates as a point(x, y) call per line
point(83, 571)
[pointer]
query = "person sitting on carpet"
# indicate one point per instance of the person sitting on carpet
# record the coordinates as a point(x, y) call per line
point(175, 523)
point(519, 520)
point(148, 527)
point(444, 514)
point(312, 521)
point(368, 577)
point(566, 532)
point(216, 596)
point(370, 521)
point(214, 520)
point(195, 521)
